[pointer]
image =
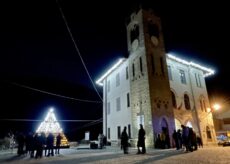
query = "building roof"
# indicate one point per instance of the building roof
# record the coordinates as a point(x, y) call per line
point(114, 67)
point(207, 71)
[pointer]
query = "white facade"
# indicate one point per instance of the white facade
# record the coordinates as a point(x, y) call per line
point(161, 99)
point(117, 102)
point(116, 87)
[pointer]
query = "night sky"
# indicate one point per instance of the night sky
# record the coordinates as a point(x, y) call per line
point(36, 51)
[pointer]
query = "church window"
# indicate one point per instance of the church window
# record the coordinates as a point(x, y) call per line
point(118, 132)
point(129, 130)
point(153, 30)
point(108, 108)
point(173, 100)
point(133, 70)
point(118, 104)
point(208, 132)
point(182, 77)
point(187, 102)
point(127, 73)
point(170, 72)
point(117, 79)
point(108, 133)
point(128, 100)
point(108, 86)
point(198, 82)
point(134, 33)
point(141, 67)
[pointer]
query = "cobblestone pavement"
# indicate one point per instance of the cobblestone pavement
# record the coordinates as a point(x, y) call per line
point(207, 155)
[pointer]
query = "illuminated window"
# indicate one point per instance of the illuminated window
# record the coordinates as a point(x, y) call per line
point(204, 105)
point(208, 132)
point(108, 133)
point(129, 130)
point(173, 100)
point(117, 79)
point(108, 108)
point(201, 105)
point(170, 72)
point(133, 70)
point(182, 77)
point(118, 104)
point(134, 33)
point(108, 86)
point(128, 100)
point(153, 30)
point(127, 73)
point(198, 82)
point(118, 132)
point(186, 102)
point(141, 68)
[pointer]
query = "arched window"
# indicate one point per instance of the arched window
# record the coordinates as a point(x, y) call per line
point(208, 132)
point(134, 33)
point(201, 105)
point(204, 105)
point(187, 102)
point(173, 99)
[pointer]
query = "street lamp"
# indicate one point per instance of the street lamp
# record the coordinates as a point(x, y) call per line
point(216, 106)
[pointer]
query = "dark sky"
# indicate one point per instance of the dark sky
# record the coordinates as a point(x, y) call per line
point(36, 50)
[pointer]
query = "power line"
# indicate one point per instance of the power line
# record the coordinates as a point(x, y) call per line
point(77, 49)
point(54, 94)
point(34, 120)
point(89, 124)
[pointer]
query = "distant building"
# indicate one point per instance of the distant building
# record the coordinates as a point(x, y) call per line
point(153, 88)
point(222, 124)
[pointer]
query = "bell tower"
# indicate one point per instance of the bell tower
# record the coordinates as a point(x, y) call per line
point(151, 102)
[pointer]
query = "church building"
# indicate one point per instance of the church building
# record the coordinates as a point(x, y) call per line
point(155, 89)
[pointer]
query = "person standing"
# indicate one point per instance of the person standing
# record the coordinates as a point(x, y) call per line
point(50, 144)
point(58, 143)
point(176, 140)
point(124, 140)
point(141, 140)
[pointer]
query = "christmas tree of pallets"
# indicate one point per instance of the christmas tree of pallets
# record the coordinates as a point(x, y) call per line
point(51, 125)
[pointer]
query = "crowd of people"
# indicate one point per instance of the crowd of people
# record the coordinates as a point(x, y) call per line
point(184, 138)
point(35, 145)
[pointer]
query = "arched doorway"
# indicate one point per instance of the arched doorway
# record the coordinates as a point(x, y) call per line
point(165, 138)
point(208, 133)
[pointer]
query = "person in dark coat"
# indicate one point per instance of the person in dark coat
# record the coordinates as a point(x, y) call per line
point(124, 140)
point(141, 140)
point(21, 143)
point(58, 143)
point(50, 144)
point(176, 140)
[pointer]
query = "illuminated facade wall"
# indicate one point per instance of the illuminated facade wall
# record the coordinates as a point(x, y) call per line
point(150, 85)
point(195, 87)
point(116, 109)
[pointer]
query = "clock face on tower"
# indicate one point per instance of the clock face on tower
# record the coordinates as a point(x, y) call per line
point(154, 40)
point(135, 44)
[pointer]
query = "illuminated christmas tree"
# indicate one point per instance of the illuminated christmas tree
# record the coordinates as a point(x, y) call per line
point(51, 125)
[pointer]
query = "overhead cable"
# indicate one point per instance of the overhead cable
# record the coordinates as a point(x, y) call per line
point(77, 49)
point(54, 94)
